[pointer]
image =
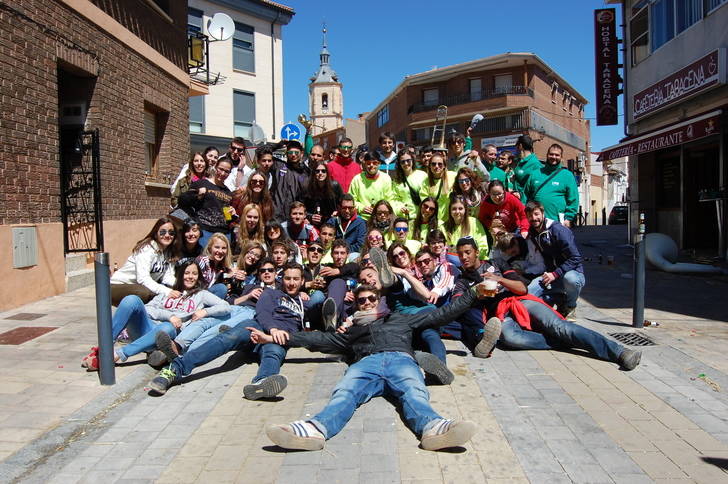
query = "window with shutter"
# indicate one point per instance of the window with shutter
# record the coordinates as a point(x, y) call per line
point(151, 147)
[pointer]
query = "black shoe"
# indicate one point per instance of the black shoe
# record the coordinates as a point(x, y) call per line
point(434, 366)
point(157, 359)
point(491, 333)
point(379, 259)
point(223, 328)
point(328, 314)
point(268, 387)
point(629, 359)
point(166, 346)
point(163, 380)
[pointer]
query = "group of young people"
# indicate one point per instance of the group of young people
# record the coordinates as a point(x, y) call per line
point(375, 256)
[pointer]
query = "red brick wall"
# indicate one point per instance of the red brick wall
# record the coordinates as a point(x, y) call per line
point(29, 158)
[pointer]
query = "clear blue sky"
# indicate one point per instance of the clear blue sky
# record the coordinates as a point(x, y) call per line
point(374, 44)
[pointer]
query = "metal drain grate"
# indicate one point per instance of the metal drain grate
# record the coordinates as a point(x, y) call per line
point(632, 339)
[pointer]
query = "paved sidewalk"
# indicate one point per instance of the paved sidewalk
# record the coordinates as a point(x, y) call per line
point(543, 416)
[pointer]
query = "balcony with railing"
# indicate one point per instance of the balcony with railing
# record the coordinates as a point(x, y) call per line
point(469, 97)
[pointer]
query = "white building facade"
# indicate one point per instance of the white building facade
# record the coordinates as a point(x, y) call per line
point(249, 72)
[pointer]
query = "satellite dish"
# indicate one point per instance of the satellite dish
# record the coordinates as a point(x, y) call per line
point(257, 134)
point(221, 26)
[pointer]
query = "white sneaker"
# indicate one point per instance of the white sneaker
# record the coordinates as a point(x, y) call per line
point(299, 435)
point(448, 433)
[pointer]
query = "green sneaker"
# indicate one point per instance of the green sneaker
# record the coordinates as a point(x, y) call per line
point(163, 380)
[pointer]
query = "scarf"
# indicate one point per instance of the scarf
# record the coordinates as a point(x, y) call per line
point(365, 318)
point(518, 311)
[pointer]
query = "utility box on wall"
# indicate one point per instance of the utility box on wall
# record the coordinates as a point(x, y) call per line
point(25, 247)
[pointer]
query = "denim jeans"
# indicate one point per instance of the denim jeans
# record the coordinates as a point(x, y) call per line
point(387, 373)
point(235, 338)
point(220, 290)
point(271, 360)
point(550, 331)
point(132, 314)
point(198, 332)
point(572, 282)
point(472, 322)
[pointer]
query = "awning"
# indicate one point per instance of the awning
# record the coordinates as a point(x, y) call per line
point(673, 135)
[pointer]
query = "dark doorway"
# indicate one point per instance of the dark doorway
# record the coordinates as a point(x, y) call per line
point(701, 166)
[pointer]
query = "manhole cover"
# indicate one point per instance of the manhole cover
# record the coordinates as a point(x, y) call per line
point(632, 339)
point(25, 316)
point(18, 336)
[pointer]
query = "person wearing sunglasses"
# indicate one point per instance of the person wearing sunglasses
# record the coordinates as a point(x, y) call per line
point(289, 179)
point(343, 168)
point(321, 194)
point(257, 193)
point(459, 157)
point(210, 201)
point(149, 270)
point(384, 365)
point(374, 239)
point(406, 183)
point(426, 219)
point(469, 187)
point(439, 184)
point(370, 186)
point(400, 233)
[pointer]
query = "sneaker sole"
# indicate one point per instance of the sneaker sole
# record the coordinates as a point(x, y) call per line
point(432, 365)
point(158, 388)
point(490, 337)
point(379, 259)
point(328, 314)
point(289, 440)
point(157, 359)
point(637, 361)
point(164, 344)
point(458, 434)
point(266, 388)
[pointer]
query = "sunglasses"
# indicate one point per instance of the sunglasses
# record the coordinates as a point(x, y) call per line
point(424, 262)
point(399, 254)
point(429, 208)
point(401, 229)
point(437, 165)
point(406, 160)
point(316, 249)
point(464, 180)
point(164, 232)
point(363, 299)
point(365, 261)
point(321, 170)
point(383, 212)
point(264, 270)
point(257, 182)
point(235, 148)
point(375, 237)
point(345, 147)
point(293, 152)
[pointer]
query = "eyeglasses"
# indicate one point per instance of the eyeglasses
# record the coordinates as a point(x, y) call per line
point(464, 180)
point(263, 270)
point(401, 229)
point(424, 262)
point(164, 232)
point(345, 147)
point(257, 182)
point(399, 254)
point(223, 170)
point(236, 148)
point(253, 254)
point(363, 299)
point(318, 250)
point(321, 170)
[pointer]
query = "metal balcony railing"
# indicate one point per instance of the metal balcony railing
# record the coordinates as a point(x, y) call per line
point(469, 97)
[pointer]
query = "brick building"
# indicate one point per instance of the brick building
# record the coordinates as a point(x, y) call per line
point(87, 87)
point(518, 93)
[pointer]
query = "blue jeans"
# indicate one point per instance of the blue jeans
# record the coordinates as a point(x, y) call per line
point(472, 322)
point(553, 332)
point(271, 360)
point(220, 290)
point(235, 338)
point(572, 282)
point(387, 373)
point(198, 332)
point(132, 314)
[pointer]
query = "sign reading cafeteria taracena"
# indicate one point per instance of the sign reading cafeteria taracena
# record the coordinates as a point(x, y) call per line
point(702, 74)
point(678, 134)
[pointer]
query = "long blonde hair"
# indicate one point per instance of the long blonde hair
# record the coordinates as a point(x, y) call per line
point(244, 235)
point(227, 261)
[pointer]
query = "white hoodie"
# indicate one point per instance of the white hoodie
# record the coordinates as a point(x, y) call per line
point(147, 267)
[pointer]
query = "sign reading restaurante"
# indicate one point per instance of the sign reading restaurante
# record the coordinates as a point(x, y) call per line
point(702, 74)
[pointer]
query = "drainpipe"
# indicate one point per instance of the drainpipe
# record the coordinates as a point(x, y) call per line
point(273, 72)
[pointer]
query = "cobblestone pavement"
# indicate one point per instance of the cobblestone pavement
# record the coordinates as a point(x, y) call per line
point(543, 416)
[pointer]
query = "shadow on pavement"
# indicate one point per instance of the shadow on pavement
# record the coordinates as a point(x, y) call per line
point(717, 462)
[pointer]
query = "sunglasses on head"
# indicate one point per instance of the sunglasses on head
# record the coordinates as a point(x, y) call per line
point(164, 232)
point(371, 298)
point(263, 270)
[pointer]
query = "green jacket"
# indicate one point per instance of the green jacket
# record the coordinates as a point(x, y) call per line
point(497, 173)
point(403, 196)
point(523, 171)
point(441, 195)
point(477, 232)
point(559, 197)
point(367, 192)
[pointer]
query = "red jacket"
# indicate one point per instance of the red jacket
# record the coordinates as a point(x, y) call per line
point(343, 170)
point(512, 213)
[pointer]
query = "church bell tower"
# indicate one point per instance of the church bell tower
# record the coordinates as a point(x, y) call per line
point(325, 99)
